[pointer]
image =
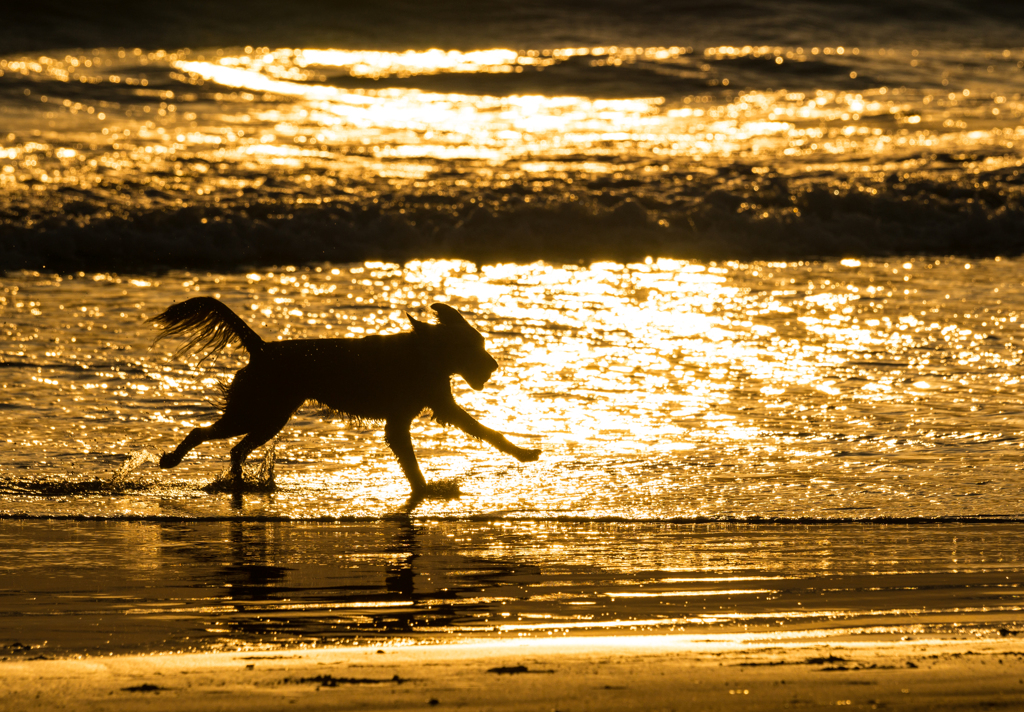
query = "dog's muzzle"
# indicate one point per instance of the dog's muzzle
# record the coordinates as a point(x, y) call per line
point(479, 379)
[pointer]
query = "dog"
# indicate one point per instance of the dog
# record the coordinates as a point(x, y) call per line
point(383, 378)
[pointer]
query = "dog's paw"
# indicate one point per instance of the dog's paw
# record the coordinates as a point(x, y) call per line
point(525, 455)
point(168, 460)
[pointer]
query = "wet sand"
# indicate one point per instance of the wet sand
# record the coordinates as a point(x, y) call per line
point(125, 588)
point(584, 673)
point(509, 615)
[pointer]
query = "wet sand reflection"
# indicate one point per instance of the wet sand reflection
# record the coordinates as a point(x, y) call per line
point(93, 588)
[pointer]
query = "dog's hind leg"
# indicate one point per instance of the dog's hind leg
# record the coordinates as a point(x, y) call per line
point(253, 440)
point(396, 432)
point(223, 428)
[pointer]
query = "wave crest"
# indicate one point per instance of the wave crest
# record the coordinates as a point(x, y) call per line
point(744, 217)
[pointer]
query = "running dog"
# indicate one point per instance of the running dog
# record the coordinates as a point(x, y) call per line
point(391, 378)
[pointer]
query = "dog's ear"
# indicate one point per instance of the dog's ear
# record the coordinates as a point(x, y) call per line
point(448, 316)
point(417, 325)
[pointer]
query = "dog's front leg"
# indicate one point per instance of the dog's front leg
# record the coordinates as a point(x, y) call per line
point(396, 432)
point(452, 414)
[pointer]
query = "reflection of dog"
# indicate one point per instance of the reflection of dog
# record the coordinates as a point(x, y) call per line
point(392, 378)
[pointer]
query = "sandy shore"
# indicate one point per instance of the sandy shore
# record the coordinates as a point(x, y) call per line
point(673, 672)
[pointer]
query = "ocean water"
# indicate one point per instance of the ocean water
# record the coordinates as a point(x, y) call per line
point(236, 135)
point(751, 272)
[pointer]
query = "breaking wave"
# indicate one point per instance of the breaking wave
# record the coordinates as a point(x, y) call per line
point(728, 215)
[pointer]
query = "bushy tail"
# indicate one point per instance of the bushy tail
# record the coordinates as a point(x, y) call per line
point(209, 325)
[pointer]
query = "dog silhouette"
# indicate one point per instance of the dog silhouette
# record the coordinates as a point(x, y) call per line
point(391, 378)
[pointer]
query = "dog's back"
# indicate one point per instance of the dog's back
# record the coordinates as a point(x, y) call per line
point(372, 377)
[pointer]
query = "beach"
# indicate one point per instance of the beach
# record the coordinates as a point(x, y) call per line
point(751, 277)
point(666, 672)
point(392, 615)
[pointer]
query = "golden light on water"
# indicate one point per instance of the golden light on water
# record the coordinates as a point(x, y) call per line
point(713, 368)
point(271, 130)
point(779, 123)
point(496, 129)
point(667, 386)
point(695, 374)
point(383, 64)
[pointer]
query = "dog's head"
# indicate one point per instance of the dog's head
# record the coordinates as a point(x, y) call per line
point(459, 345)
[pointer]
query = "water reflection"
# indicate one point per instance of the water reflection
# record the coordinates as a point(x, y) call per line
point(388, 581)
point(121, 587)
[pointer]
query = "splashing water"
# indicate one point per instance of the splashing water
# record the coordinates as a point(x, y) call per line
point(136, 458)
point(447, 488)
point(256, 476)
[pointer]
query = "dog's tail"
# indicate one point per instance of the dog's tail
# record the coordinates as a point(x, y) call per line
point(209, 325)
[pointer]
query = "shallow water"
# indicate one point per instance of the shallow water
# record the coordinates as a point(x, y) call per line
point(668, 391)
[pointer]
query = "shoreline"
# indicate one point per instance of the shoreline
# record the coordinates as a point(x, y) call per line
point(717, 672)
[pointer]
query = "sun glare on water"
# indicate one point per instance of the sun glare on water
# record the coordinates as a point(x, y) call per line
point(659, 389)
point(254, 134)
